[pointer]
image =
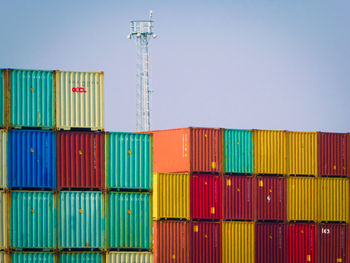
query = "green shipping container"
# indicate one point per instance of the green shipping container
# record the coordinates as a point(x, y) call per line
point(128, 160)
point(238, 151)
point(33, 257)
point(129, 220)
point(81, 257)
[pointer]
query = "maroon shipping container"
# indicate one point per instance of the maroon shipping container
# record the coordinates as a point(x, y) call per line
point(237, 198)
point(206, 242)
point(80, 160)
point(270, 198)
point(171, 241)
point(205, 197)
point(333, 242)
point(333, 154)
point(270, 242)
point(301, 242)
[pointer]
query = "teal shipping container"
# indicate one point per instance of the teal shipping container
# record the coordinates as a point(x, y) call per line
point(129, 220)
point(32, 98)
point(2, 99)
point(33, 220)
point(81, 257)
point(128, 160)
point(238, 152)
point(33, 257)
point(81, 220)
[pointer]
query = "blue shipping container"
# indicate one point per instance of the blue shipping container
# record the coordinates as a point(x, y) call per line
point(80, 257)
point(33, 257)
point(31, 159)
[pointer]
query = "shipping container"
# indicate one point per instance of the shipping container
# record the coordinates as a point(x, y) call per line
point(33, 257)
point(238, 198)
point(270, 198)
point(129, 220)
point(171, 241)
point(3, 100)
point(81, 220)
point(3, 220)
point(206, 246)
point(5, 257)
point(80, 160)
point(33, 220)
point(81, 257)
point(129, 257)
point(238, 242)
point(171, 196)
point(31, 159)
point(79, 100)
point(301, 199)
point(239, 151)
point(333, 154)
point(128, 160)
point(187, 150)
point(3, 159)
point(270, 152)
point(205, 197)
point(301, 243)
point(333, 199)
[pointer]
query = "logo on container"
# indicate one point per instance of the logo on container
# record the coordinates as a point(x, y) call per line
point(79, 89)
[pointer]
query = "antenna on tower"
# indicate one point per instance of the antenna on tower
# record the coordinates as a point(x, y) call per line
point(142, 31)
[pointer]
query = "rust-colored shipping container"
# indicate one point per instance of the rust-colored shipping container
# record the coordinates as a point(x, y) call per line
point(205, 197)
point(333, 154)
point(187, 150)
point(206, 240)
point(270, 198)
point(80, 160)
point(333, 242)
point(237, 198)
point(270, 242)
point(171, 241)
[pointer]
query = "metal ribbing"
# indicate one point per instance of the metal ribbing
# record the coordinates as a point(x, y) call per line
point(3, 159)
point(33, 257)
point(2, 99)
point(79, 257)
point(134, 257)
point(3, 220)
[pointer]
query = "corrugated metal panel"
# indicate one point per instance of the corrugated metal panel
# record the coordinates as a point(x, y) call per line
point(129, 220)
point(3, 220)
point(301, 199)
point(128, 160)
point(79, 100)
point(333, 199)
point(333, 154)
point(32, 98)
point(270, 153)
point(333, 242)
point(81, 257)
point(302, 153)
point(32, 159)
point(206, 246)
point(33, 220)
point(238, 151)
point(2, 99)
point(81, 220)
point(270, 198)
point(80, 160)
point(33, 257)
point(301, 243)
point(129, 257)
point(171, 196)
point(4, 257)
point(205, 197)
point(238, 242)
point(3, 159)
point(238, 198)
point(171, 241)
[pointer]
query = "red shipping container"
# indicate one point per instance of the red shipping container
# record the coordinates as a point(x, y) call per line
point(171, 241)
point(270, 198)
point(333, 242)
point(238, 198)
point(80, 160)
point(205, 197)
point(333, 154)
point(270, 242)
point(187, 150)
point(206, 242)
point(301, 242)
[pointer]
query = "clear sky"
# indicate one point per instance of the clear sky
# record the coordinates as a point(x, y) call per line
point(264, 64)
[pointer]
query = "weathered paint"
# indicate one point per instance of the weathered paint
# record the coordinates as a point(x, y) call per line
point(79, 100)
point(33, 257)
point(81, 220)
point(3, 159)
point(33, 220)
point(31, 159)
point(2, 99)
point(129, 257)
point(238, 151)
point(171, 196)
point(81, 257)
point(129, 220)
point(3, 220)
point(128, 160)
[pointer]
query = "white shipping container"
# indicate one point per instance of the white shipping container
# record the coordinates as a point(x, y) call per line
point(130, 257)
point(3, 220)
point(3, 159)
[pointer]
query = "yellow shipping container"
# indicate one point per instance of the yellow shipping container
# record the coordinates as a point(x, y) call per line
point(3, 159)
point(270, 154)
point(302, 153)
point(333, 200)
point(171, 196)
point(238, 242)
